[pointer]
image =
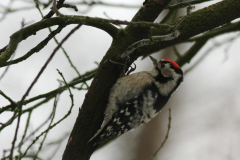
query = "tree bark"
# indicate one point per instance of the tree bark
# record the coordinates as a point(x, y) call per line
point(91, 113)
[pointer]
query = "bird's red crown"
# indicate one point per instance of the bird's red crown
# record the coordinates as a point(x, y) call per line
point(173, 63)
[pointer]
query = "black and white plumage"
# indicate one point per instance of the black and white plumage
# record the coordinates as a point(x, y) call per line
point(136, 99)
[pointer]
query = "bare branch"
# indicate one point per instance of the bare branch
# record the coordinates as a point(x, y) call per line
point(150, 11)
point(25, 133)
point(50, 127)
point(37, 48)
point(88, 118)
point(185, 4)
point(6, 69)
point(66, 20)
point(146, 42)
point(196, 23)
point(230, 27)
point(8, 98)
point(49, 95)
point(159, 38)
point(32, 84)
point(210, 49)
point(52, 118)
point(186, 58)
point(166, 136)
point(95, 3)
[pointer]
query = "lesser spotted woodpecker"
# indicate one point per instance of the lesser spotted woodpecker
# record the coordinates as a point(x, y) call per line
point(136, 99)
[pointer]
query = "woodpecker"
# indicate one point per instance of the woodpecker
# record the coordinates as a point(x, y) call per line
point(137, 98)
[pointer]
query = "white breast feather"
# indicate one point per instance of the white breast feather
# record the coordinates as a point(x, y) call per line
point(127, 86)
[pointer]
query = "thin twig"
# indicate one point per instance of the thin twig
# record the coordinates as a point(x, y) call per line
point(37, 48)
point(51, 13)
point(166, 18)
point(55, 8)
point(104, 24)
point(8, 98)
point(35, 80)
point(6, 69)
point(25, 133)
point(55, 39)
point(210, 49)
point(56, 143)
point(70, 6)
point(189, 10)
point(92, 3)
point(50, 127)
point(185, 4)
point(52, 118)
point(159, 38)
point(192, 51)
point(166, 136)
point(49, 95)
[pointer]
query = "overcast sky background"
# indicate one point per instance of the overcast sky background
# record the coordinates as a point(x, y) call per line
point(205, 109)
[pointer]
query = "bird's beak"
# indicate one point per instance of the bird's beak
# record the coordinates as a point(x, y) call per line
point(153, 60)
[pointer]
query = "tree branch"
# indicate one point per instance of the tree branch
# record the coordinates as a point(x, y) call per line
point(197, 22)
point(91, 113)
point(231, 27)
point(166, 136)
point(185, 4)
point(8, 98)
point(100, 23)
point(20, 104)
point(94, 3)
point(37, 48)
point(150, 10)
point(186, 58)
point(83, 78)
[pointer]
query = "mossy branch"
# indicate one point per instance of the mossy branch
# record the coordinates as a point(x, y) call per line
point(196, 23)
point(91, 113)
point(100, 23)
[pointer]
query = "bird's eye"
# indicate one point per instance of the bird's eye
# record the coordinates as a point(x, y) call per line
point(162, 65)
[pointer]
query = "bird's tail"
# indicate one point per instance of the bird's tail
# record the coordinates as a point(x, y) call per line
point(96, 140)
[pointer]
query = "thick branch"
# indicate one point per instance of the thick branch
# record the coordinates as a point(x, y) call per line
point(147, 13)
point(150, 10)
point(91, 113)
point(65, 20)
point(231, 27)
point(100, 23)
point(185, 4)
point(197, 22)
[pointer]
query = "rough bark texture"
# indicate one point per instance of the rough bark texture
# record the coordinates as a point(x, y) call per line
point(91, 113)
